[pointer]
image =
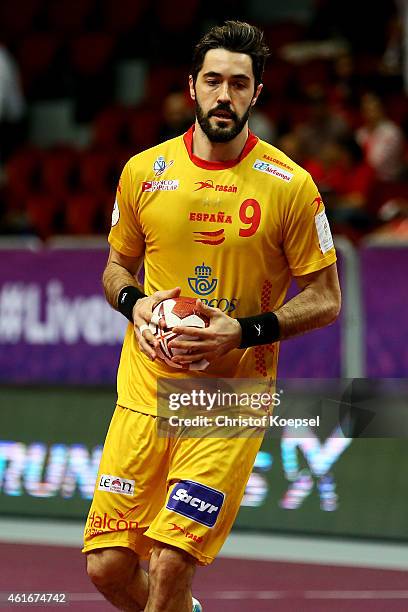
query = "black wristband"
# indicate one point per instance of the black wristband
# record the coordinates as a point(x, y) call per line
point(127, 298)
point(262, 329)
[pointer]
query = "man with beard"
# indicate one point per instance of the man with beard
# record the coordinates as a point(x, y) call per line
point(219, 215)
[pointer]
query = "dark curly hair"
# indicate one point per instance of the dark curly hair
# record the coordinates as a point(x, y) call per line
point(236, 36)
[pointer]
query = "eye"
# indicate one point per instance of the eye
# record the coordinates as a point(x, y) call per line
point(212, 82)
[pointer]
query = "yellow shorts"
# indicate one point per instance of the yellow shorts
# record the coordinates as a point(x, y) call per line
point(185, 492)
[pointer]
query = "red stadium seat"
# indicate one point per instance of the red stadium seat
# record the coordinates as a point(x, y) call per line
point(58, 171)
point(162, 79)
point(109, 127)
point(69, 17)
point(80, 213)
point(22, 172)
point(91, 53)
point(120, 17)
point(97, 172)
point(36, 55)
point(17, 16)
point(42, 211)
point(283, 33)
point(178, 15)
point(143, 128)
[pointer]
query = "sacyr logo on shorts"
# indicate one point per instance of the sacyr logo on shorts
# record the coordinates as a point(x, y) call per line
point(273, 170)
point(162, 185)
point(114, 484)
point(188, 534)
point(196, 501)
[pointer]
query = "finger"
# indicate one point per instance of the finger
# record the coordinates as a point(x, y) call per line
point(197, 332)
point(147, 342)
point(185, 359)
point(192, 345)
point(206, 310)
point(167, 294)
point(147, 349)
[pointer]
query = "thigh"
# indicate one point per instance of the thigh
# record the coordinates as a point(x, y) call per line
point(131, 484)
point(206, 483)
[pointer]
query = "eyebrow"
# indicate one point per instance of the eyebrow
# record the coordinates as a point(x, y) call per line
point(211, 73)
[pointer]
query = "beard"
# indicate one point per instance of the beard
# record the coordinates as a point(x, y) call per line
point(222, 131)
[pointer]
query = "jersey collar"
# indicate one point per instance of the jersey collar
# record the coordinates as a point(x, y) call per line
point(217, 165)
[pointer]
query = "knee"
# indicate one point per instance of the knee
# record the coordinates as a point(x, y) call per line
point(109, 568)
point(172, 566)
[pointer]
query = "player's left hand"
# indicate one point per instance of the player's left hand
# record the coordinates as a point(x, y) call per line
point(222, 335)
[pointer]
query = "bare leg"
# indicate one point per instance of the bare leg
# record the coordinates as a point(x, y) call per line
point(171, 572)
point(116, 573)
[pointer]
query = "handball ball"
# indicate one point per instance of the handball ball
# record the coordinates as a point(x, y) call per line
point(174, 312)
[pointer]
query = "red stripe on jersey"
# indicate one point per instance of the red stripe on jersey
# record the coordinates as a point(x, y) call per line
point(217, 233)
point(217, 165)
point(211, 241)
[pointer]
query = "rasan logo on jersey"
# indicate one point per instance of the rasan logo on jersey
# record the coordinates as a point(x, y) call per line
point(209, 184)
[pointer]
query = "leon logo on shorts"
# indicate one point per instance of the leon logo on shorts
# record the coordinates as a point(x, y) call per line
point(196, 501)
point(114, 484)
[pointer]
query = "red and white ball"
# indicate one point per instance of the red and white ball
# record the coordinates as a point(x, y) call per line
point(176, 312)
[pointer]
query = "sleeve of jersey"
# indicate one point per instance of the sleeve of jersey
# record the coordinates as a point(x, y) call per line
point(126, 235)
point(307, 240)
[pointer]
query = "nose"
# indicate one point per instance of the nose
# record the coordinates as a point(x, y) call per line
point(223, 93)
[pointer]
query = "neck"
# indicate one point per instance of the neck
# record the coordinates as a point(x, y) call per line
point(218, 151)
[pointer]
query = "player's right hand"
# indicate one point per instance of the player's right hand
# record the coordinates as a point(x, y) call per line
point(142, 314)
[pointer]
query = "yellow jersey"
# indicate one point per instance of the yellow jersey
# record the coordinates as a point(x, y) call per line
point(230, 233)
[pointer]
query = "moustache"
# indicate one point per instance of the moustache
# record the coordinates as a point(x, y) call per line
point(225, 108)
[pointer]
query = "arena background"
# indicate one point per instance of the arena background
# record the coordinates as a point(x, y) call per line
point(85, 85)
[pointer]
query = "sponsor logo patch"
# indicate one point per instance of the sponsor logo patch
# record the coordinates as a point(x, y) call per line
point(278, 162)
point(323, 232)
point(201, 283)
point(115, 213)
point(188, 534)
point(114, 484)
point(102, 523)
point(160, 165)
point(209, 184)
point(196, 501)
point(161, 185)
point(273, 170)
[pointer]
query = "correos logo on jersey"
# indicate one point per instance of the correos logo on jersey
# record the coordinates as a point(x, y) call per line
point(202, 285)
point(196, 501)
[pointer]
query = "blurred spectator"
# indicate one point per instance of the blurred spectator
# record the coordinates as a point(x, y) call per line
point(178, 116)
point(344, 87)
point(394, 215)
point(391, 62)
point(322, 126)
point(262, 126)
point(290, 144)
point(381, 140)
point(12, 105)
point(346, 181)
